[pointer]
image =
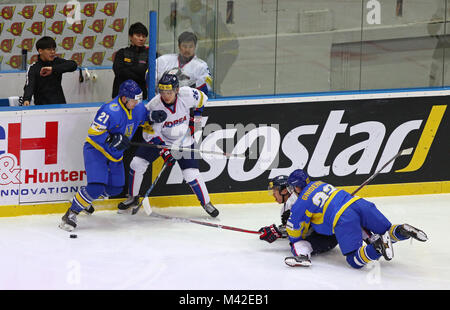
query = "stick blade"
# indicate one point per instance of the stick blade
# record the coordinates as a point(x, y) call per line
point(407, 151)
point(146, 206)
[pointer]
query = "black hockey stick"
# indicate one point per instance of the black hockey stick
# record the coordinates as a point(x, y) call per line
point(402, 152)
point(186, 149)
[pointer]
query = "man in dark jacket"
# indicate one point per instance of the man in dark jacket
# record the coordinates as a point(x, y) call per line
point(44, 76)
point(131, 63)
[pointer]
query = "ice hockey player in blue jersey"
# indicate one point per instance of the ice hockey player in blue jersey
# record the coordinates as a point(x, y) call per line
point(313, 244)
point(108, 137)
point(333, 211)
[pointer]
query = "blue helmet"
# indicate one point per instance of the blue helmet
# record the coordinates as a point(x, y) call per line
point(298, 178)
point(169, 80)
point(279, 182)
point(130, 89)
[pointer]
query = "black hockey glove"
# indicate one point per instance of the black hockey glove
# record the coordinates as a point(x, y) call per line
point(118, 141)
point(270, 233)
point(158, 116)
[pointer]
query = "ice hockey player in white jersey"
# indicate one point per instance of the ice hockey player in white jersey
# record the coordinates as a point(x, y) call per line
point(176, 130)
point(314, 243)
point(194, 71)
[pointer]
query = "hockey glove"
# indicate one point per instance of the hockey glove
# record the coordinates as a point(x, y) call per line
point(118, 141)
point(168, 158)
point(158, 116)
point(269, 233)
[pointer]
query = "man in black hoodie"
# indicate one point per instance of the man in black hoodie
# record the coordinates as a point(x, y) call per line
point(44, 76)
point(131, 63)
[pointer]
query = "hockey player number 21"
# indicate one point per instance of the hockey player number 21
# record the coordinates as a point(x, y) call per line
point(103, 118)
point(321, 197)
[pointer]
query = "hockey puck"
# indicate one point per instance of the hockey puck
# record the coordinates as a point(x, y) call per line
point(73, 236)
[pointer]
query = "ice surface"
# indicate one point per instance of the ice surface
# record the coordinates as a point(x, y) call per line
point(115, 251)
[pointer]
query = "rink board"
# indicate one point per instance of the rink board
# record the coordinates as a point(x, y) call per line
point(341, 139)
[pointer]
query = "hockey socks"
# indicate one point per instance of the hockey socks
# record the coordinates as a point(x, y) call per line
point(198, 186)
point(86, 195)
point(365, 254)
point(395, 234)
point(201, 193)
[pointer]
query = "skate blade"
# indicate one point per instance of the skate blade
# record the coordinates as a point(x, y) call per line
point(421, 236)
point(415, 233)
point(66, 227)
point(125, 212)
point(388, 249)
point(293, 262)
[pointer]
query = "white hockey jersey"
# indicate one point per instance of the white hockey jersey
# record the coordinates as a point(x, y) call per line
point(195, 73)
point(175, 129)
point(289, 203)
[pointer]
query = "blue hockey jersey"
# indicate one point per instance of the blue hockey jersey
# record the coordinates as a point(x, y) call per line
point(114, 117)
point(319, 205)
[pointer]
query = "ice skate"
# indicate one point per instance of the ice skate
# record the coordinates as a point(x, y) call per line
point(128, 206)
point(407, 230)
point(69, 220)
point(298, 261)
point(383, 245)
point(210, 209)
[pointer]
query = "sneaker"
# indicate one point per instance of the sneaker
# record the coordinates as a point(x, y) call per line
point(407, 230)
point(210, 209)
point(89, 210)
point(131, 202)
point(383, 245)
point(69, 220)
point(298, 261)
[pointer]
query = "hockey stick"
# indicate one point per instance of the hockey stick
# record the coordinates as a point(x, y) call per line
point(402, 152)
point(186, 149)
point(145, 202)
point(408, 151)
point(148, 210)
point(186, 220)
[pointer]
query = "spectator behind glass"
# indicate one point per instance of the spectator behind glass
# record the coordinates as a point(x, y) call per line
point(193, 72)
point(44, 76)
point(219, 45)
point(131, 63)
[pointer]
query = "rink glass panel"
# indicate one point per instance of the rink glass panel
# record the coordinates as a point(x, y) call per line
point(269, 47)
point(286, 46)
